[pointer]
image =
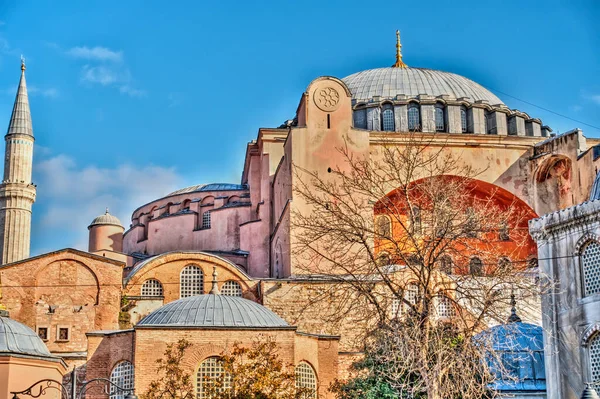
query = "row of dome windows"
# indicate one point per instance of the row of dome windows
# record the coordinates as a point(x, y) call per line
point(191, 282)
point(123, 375)
point(388, 122)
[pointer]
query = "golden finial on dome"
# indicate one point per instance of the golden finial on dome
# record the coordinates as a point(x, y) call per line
point(22, 63)
point(399, 63)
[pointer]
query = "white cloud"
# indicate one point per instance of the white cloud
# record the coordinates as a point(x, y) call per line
point(595, 98)
point(130, 91)
point(96, 53)
point(99, 74)
point(73, 195)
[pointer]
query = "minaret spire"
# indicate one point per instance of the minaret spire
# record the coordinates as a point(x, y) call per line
point(513, 318)
point(399, 63)
point(17, 192)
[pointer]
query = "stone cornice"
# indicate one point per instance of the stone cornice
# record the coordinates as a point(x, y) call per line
point(574, 219)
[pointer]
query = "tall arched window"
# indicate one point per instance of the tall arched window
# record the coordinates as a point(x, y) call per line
point(306, 379)
point(209, 370)
point(152, 287)
point(191, 281)
point(590, 265)
point(440, 118)
point(387, 118)
point(121, 375)
point(384, 226)
point(594, 357)
point(231, 288)
point(445, 264)
point(464, 125)
point(360, 118)
point(445, 306)
point(414, 118)
point(504, 264)
point(206, 220)
point(476, 267)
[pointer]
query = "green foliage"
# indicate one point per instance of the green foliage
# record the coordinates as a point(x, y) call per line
point(173, 381)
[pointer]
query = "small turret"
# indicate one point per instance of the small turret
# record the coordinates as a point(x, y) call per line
point(106, 233)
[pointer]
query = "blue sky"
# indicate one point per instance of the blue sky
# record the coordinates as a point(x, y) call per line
point(133, 99)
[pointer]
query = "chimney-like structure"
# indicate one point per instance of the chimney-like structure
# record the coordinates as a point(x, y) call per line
point(17, 192)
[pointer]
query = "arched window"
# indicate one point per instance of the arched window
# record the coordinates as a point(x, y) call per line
point(445, 307)
point(306, 379)
point(231, 288)
point(472, 226)
point(490, 126)
point(414, 118)
point(476, 267)
point(384, 259)
point(387, 118)
point(415, 220)
point(384, 226)
point(191, 281)
point(440, 118)
point(594, 357)
point(410, 295)
point(206, 220)
point(504, 264)
point(445, 264)
point(186, 205)
point(209, 370)
point(590, 265)
point(152, 287)
point(464, 125)
point(360, 118)
point(121, 375)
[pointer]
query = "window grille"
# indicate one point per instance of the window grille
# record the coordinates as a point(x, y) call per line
point(503, 234)
point(307, 379)
point(191, 281)
point(209, 370)
point(152, 287)
point(594, 353)
point(388, 118)
point(590, 262)
point(411, 293)
point(360, 118)
point(121, 375)
point(476, 267)
point(206, 220)
point(231, 288)
point(440, 125)
point(383, 226)
point(414, 119)
point(463, 120)
point(445, 307)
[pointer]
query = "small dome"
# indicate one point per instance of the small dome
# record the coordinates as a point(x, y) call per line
point(389, 82)
point(17, 338)
point(106, 219)
point(213, 311)
point(520, 348)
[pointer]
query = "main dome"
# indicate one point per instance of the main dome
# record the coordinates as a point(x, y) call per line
point(213, 311)
point(411, 82)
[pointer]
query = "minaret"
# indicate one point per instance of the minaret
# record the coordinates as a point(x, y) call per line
point(17, 193)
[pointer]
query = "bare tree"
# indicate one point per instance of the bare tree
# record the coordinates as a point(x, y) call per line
point(422, 252)
point(174, 382)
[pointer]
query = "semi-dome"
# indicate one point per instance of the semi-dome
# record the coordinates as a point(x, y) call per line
point(412, 82)
point(106, 219)
point(17, 338)
point(213, 311)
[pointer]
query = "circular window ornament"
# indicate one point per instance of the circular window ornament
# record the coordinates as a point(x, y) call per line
point(327, 99)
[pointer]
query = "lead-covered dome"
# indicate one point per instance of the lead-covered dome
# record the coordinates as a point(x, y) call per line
point(106, 219)
point(17, 338)
point(412, 82)
point(213, 311)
